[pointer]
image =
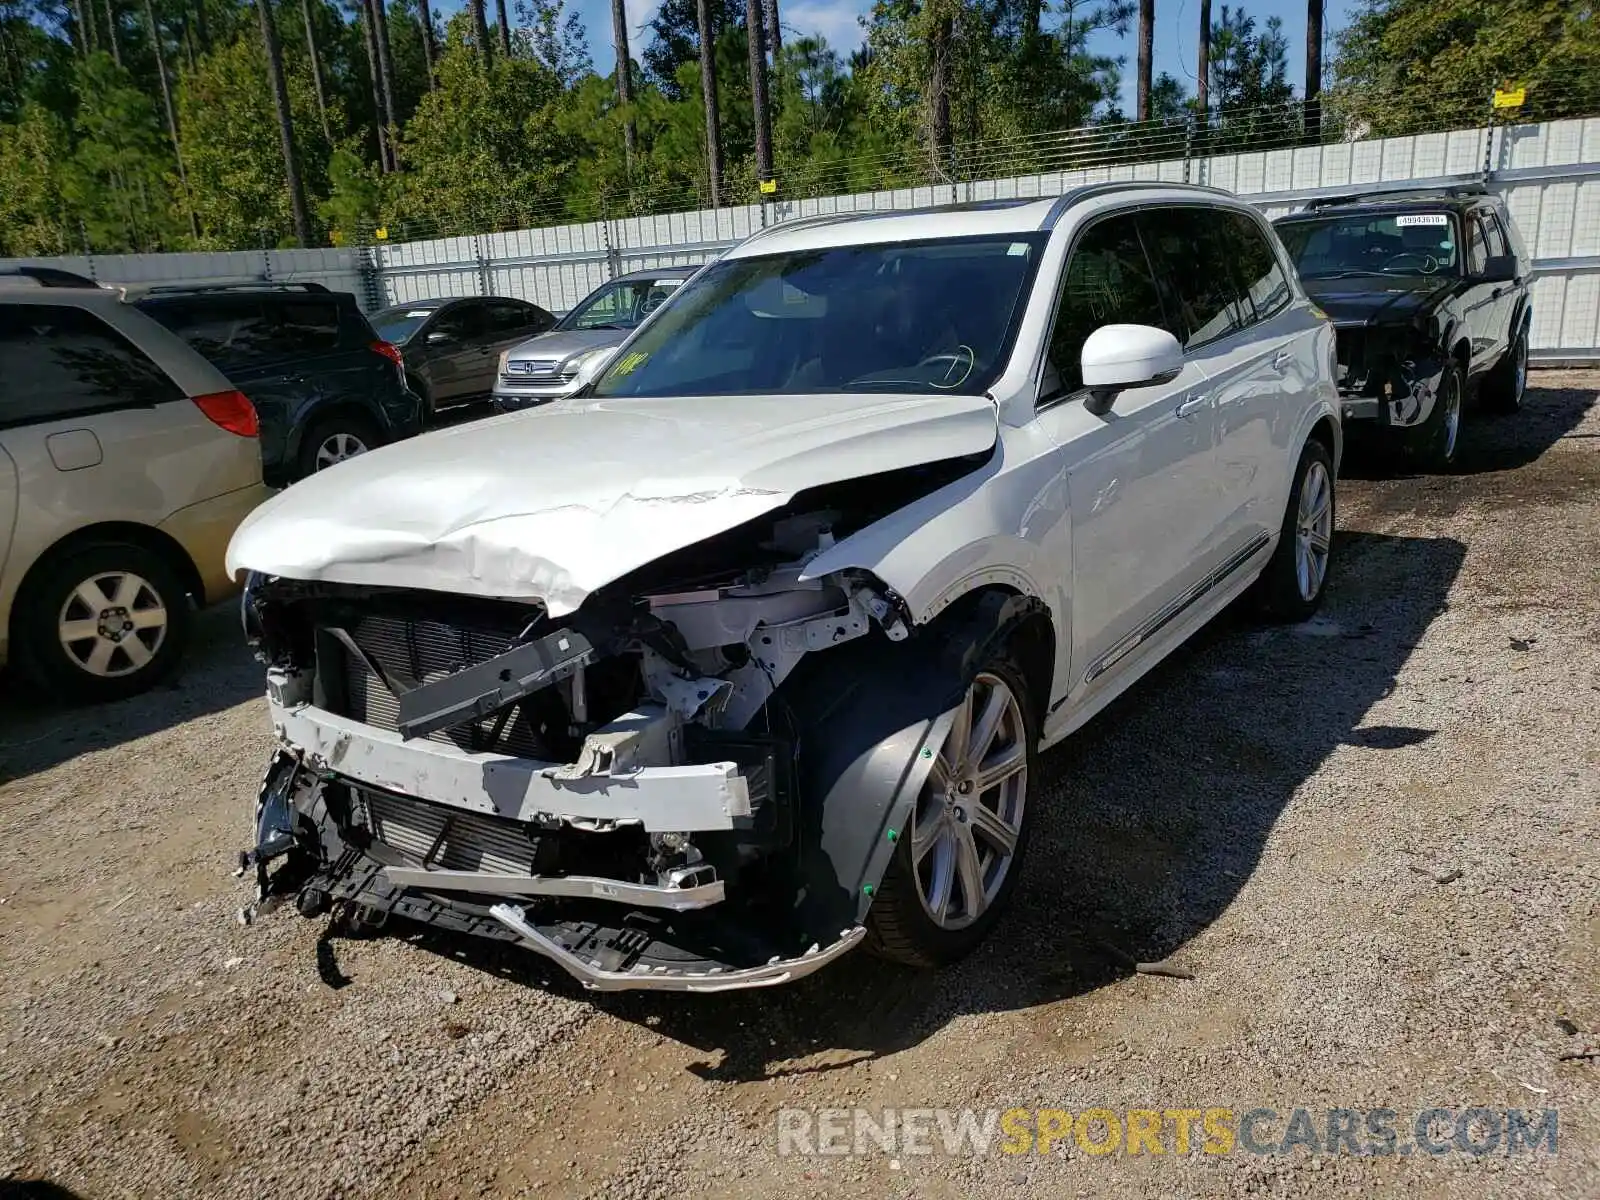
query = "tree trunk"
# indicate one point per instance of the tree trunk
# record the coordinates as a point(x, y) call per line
point(1202, 86)
point(85, 28)
point(1030, 21)
point(708, 90)
point(480, 30)
point(316, 67)
point(619, 34)
point(1314, 68)
point(1147, 32)
point(202, 30)
point(111, 28)
point(940, 39)
point(430, 50)
point(190, 56)
point(505, 28)
point(172, 113)
point(386, 77)
point(280, 98)
point(369, 31)
point(758, 89)
point(774, 34)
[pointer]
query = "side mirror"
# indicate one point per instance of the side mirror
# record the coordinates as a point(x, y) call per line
point(440, 338)
point(1117, 357)
point(589, 369)
point(1501, 268)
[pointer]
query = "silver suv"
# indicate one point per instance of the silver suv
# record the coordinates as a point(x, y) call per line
point(126, 463)
point(546, 367)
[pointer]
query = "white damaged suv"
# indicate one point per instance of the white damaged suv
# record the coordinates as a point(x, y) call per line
point(745, 655)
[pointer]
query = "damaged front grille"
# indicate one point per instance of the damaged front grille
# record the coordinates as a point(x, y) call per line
point(427, 651)
point(449, 839)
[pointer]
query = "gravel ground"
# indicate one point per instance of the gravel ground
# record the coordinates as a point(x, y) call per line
point(1274, 811)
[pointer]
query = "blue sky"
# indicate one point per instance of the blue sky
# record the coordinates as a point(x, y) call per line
point(1177, 25)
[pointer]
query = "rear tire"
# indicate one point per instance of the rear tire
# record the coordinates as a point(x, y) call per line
point(951, 874)
point(1291, 586)
point(332, 440)
point(102, 622)
point(1503, 388)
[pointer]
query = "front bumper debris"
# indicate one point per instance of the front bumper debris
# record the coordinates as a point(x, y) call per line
point(595, 977)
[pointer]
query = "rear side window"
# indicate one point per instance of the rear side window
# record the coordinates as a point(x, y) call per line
point(236, 332)
point(1477, 248)
point(1497, 238)
point(462, 322)
point(1108, 282)
point(63, 362)
point(1262, 278)
point(1192, 249)
point(513, 318)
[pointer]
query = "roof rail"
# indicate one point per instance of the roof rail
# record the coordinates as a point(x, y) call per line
point(267, 285)
point(48, 276)
point(1088, 191)
point(1455, 191)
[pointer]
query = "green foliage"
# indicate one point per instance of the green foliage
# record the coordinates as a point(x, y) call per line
point(1406, 65)
point(87, 155)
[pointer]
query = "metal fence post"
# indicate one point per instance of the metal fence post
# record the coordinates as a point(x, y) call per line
point(370, 267)
point(485, 276)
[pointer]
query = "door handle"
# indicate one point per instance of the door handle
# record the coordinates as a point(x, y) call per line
point(1191, 405)
point(1281, 361)
point(1497, 293)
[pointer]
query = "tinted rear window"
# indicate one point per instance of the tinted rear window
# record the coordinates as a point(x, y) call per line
point(60, 362)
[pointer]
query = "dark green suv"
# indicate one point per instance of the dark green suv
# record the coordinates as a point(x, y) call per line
point(324, 385)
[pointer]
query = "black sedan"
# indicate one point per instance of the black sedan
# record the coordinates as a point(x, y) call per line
point(451, 346)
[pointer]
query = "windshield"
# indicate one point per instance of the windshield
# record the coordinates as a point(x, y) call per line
point(398, 324)
point(620, 305)
point(937, 315)
point(1395, 244)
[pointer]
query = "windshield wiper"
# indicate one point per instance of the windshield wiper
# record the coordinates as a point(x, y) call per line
point(1340, 274)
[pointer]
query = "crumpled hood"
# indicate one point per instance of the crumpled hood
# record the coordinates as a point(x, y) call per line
point(556, 502)
point(1397, 305)
point(562, 344)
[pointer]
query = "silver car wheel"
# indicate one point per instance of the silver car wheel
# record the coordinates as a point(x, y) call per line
point(112, 624)
point(1519, 377)
point(1313, 530)
point(969, 816)
point(1452, 415)
point(337, 447)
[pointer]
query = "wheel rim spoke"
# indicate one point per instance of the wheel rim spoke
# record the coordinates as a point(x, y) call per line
point(994, 829)
point(969, 870)
point(79, 631)
point(927, 829)
point(99, 661)
point(88, 594)
point(995, 707)
point(957, 744)
point(149, 618)
point(1001, 766)
point(138, 653)
point(127, 593)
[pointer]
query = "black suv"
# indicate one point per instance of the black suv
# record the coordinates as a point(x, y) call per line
point(324, 385)
point(1428, 292)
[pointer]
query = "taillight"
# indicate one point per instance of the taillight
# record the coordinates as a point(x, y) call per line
point(231, 411)
point(389, 350)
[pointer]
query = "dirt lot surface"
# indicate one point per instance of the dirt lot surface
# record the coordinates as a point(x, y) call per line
point(1374, 841)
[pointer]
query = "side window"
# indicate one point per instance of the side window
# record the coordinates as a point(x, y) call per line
point(60, 362)
point(612, 307)
point(305, 326)
point(1192, 249)
point(1265, 285)
point(1497, 237)
point(1477, 247)
point(1108, 282)
point(513, 318)
point(464, 322)
point(231, 332)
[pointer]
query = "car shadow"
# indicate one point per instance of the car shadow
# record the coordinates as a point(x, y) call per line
point(1489, 442)
point(34, 1189)
point(217, 672)
point(1149, 822)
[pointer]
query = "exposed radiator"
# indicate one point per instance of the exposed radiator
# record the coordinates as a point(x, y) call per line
point(427, 651)
point(470, 843)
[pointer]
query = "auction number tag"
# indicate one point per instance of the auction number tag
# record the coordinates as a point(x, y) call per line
point(1421, 219)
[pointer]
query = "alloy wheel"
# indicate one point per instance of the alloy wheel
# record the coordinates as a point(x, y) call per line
point(968, 819)
point(1452, 415)
point(1313, 530)
point(337, 447)
point(112, 624)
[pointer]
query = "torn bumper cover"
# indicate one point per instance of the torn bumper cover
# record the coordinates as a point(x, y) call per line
point(1381, 379)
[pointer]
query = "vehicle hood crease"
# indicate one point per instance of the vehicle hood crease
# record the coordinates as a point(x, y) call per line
point(552, 504)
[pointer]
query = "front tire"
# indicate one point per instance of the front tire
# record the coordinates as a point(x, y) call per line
point(1503, 389)
point(1292, 584)
point(957, 862)
point(102, 622)
point(1438, 438)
